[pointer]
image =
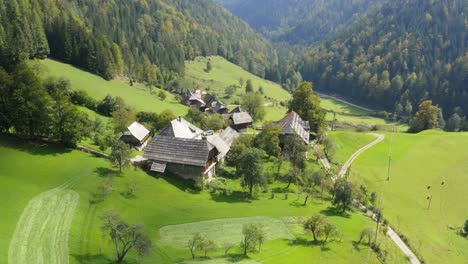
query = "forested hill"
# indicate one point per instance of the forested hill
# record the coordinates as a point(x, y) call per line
point(305, 22)
point(145, 39)
point(407, 51)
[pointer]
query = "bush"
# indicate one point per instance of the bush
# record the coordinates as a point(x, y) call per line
point(82, 98)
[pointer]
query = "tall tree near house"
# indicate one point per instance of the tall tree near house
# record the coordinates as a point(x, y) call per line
point(249, 168)
point(294, 150)
point(122, 118)
point(268, 140)
point(249, 86)
point(253, 103)
point(124, 236)
point(307, 105)
point(120, 154)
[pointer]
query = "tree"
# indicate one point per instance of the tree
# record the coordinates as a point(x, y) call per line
point(465, 227)
point(249, 167)
point(366, 233)
point(425, 118)
point(344, 195)
point(208, 66)
point(294, 150)
point(454, 123)
point(120, 154)
point(124, 236)
point(208, 245)
point(268, 139)
point(307, 105)
point(162, 95)
point(195, 243)
point(315, 225)
point(165, 117)
point(253, 235)
point(249, 86)
point(239, 146)
point(254, 105)
point(227, 246)
point(122, 118)
point(329, 230)
point(329, 147)
point(230, 90)
point(213, 122)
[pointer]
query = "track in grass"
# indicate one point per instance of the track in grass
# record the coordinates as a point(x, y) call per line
point(222, 230)
point(41, 235)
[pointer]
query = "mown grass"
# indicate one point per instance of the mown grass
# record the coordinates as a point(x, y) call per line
point(418, 161)
point(27, 170)
point(138, 96)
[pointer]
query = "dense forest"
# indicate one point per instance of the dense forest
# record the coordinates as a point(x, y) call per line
point(303, 22)
point(145, 40)
point(397, 57)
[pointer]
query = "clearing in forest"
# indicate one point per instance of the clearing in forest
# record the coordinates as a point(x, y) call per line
point(41, 235)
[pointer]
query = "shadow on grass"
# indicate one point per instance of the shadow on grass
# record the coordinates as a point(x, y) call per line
point(333, 211)
point(304, 242)
point(356, 245)
point(106, 172)
point(233, 197)
point(34, 147)
point(128, 195)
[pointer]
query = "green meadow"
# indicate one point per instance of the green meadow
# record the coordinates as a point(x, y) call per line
point(347, 143)
point(427, 167)
point(138, 95)
point(30, 171)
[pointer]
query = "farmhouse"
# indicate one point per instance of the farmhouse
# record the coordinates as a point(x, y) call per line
point(293, 124)
point(205, 102)
point(136, 135)
point(181, 150)
point(240, 120)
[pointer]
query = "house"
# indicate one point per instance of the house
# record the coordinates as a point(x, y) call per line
point(136, 135)
point(293, 124)
point(181, 150)
point(205, 102)
point(240, 120)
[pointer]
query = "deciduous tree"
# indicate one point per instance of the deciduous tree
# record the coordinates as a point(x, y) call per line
point(249, 167)
point(120, 154)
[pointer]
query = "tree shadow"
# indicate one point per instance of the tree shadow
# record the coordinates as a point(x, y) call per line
point(181, 184)
point(233, 197)
point(34, 147)
point(356, 245)
point(333, 211)
point(304, 242)
point(128, 195)
point(104, 172)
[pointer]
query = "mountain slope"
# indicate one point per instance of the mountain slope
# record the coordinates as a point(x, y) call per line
point(147, 40)
point(305, 22)
point(398, 56)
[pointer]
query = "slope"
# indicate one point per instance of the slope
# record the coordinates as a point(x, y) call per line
point(430, 164)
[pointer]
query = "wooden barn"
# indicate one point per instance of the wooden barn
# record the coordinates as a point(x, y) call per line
point(293, 124)
point(136, 135)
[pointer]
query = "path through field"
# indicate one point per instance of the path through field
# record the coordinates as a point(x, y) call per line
point(41, 234)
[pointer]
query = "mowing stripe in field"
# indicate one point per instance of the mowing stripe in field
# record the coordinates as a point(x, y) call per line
point(222, 230)
point(41, 235)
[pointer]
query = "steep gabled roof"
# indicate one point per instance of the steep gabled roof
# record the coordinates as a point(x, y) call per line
point(241, 118)
point(223, 142)
point(181, 128)
point(236, 110)
point(229, 134)
point(293, 124)
point(178, 150)
point(137, 130)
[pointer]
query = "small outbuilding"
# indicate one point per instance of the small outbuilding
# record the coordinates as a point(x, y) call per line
point(136, 135)
point(240, 120)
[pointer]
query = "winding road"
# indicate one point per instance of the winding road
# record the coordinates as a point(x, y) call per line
point(391, 233)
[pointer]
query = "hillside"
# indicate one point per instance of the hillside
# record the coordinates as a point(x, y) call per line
point(303, 22)
point(147, 40)
point(395, 57)
point(430, 158)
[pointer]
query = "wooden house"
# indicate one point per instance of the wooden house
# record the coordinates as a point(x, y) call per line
point(205, 102)
point(293, 124)
point(136, 135)
point(240, 120)
point(181, 150)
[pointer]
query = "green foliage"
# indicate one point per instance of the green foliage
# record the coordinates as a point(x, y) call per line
point(205, 121)
point(329, 147)
point(268, 139)
point(253, 103)
point(249, 87)
point(239, 146)
point(307, 105)
point(366, 234)
point(465, 227)
point(253, 235)
point(120, 154)
point(316, 225)
point(122, 118)
point(249, 168)
point(426, 118)
point(343, 194)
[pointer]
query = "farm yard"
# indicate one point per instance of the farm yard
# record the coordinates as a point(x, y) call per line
point(82, 173)
point(429, 165)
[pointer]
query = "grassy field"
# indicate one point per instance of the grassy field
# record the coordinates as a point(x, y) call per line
point(418, 161)
point(347, 143)
point(224, 74)
point(137, 96)
point(28, 170)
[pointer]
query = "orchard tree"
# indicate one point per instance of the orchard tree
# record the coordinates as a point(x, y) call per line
point(294, 150)
point(344, 195)
point(252, 235)
point(249, 168)
point(315, 225)
point(269, 140)
point(122, 118)
point(124, 236)
point(366, 234)
point(253, 103)
point(195, 243)
point(120, 154)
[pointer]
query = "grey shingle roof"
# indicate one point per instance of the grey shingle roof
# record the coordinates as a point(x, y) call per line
point(158, 166)
point(228, 135)
point(178, 150)
point(293, 124)
point(241, 118)
point(181, 128)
